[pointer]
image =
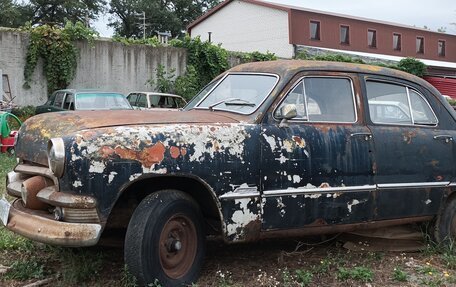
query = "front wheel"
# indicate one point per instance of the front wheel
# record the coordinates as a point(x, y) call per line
point(165, 240)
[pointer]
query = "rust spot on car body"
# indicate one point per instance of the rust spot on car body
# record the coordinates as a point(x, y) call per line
point(174, 151)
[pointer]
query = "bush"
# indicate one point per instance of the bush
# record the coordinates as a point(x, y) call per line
point(412, 66)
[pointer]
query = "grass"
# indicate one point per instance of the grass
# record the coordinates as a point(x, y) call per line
point(32, 268)
point(362, 274)
point(7, 162)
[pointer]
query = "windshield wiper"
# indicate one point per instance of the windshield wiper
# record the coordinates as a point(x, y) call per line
point(232, 102)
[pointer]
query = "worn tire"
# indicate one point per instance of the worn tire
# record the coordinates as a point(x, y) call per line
point(165, 240)
point(445, 223)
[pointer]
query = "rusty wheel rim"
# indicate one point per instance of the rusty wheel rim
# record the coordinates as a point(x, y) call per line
point(178, 245)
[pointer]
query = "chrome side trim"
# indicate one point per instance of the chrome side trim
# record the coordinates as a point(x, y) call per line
point(413, 185)
point(323, 190)
point(241, 192)
point(452, 184)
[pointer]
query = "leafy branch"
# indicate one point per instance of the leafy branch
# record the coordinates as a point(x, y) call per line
point(56, 46)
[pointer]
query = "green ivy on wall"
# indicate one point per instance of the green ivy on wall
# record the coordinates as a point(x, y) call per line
point(56, 46)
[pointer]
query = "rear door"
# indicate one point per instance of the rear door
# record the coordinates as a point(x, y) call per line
point(413, 147)
point(317, 169)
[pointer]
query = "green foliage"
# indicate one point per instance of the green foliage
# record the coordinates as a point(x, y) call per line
point(399, 275)
point(412, 66)
point(255, 56)
point(152, 41)
point(59, 12)
point(303, 55)
point(127, 279)
point(338, 58)
point(9, 240)
point(187, 85)
point(13, 14)
point(23, 113)
point(363, 274)
point(31, 268)
point(164, 82)
point(73, 272)
point(409, 65)
point(207, 59)
point(173, 16)
point(57, 49)
point(303, 277)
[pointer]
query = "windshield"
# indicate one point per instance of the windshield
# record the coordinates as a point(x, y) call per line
point(240, 93)
point(102, 101)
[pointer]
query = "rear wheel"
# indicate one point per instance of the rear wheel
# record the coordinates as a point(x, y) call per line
point(445, 224)
point(165, 240)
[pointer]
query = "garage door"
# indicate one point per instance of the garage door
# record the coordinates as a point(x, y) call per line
point(446, 86)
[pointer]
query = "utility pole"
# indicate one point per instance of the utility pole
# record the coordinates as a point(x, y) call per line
point(144, 24)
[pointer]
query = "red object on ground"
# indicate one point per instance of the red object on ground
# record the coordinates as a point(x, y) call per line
point(7, 142)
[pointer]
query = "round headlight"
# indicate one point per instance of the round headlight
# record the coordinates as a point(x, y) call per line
point(56, 156)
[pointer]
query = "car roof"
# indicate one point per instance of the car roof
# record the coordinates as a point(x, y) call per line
point(288, 68)
point(156, 94)
point(78, 91)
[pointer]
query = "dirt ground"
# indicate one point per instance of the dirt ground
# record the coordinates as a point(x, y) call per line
point(290, 262)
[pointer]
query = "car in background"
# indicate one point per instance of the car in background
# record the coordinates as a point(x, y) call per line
point(69, 100)
point(153, 100)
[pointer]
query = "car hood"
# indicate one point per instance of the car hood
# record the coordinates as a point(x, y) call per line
point(36, 131)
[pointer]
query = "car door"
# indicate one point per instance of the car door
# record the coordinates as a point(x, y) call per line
point(413, 148)
point(317, 168)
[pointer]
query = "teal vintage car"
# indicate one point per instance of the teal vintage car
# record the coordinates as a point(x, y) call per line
point(69, 100)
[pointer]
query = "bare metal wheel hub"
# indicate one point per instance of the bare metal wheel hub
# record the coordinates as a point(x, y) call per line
point(178, 246)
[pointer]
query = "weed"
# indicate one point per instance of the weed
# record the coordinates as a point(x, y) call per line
point(11, 241)
point(363, 274)
point(303, 277)
point(25, 270)
point(287, 278)
point(399, 275)
point(73, 272)
point(127, 279)
point(224, 279)
point(156, 283)
point(323, 268)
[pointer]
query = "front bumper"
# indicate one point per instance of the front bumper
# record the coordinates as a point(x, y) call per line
point(40, 226)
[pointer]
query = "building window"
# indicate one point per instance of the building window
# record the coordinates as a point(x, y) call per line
point(420, 45)
point(315, 30)
point(397, 41)
point(344, 34)
point(441, 48)
point(372, 38)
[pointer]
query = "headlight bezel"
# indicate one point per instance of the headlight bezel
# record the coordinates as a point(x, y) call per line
point(56, 156)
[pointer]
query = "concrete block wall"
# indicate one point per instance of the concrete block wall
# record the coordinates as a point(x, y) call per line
point(106, 65)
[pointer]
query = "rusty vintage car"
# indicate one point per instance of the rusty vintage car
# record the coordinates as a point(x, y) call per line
point(282, 148)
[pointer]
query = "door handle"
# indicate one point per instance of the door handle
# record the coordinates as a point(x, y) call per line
point(366, 136)
point(446, 138)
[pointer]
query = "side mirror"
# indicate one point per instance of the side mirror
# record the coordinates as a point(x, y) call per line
point(288, 111)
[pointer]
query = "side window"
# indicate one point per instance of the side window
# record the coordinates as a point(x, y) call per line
point(397, 104)
point(132, 99)
point(323, 99)
point(421, 111)
point(69, 102)
point(59, 100)
point(142, 101)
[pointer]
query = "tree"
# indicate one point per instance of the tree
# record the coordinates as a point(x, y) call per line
point(57, 11)
point(14, 15)
point(161, 15)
